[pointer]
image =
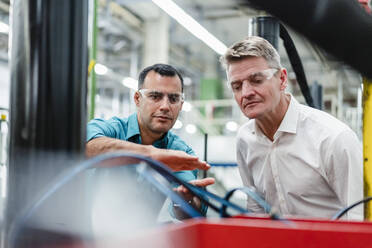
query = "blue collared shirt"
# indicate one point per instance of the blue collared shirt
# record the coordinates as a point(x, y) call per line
point(127, 129)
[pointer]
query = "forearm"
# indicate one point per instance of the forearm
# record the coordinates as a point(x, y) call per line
point(175, 160)
point(102, 145)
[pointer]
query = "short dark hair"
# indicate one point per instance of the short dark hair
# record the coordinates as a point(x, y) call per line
point(162, 69)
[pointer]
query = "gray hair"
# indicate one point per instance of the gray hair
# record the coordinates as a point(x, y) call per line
point(252, 46)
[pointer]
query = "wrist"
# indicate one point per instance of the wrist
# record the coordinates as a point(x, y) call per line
point(150, 151)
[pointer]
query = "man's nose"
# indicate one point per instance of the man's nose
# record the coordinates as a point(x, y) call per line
point(165, 103)
point(247, 89)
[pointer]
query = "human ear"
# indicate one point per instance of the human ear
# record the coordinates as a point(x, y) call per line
point(283, 79)
point(136, 98)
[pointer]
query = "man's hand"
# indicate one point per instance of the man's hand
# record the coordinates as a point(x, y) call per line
point(178, 160)
point(189, 197)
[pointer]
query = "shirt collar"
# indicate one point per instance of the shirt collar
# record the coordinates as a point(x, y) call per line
point(289, 122)
point(163, 142)
point(133, 128)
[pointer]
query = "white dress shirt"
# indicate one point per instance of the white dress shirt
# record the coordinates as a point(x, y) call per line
point(313, 167)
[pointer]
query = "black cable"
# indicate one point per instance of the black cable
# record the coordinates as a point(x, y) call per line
point(118, 159)
point(205, 153)
point(250, 193)
point(203, 194)
point(297, 66)
point(258, 199)
point(108, 160)
point(343, 211)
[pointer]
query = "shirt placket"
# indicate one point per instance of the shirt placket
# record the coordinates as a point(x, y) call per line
point(275, 172)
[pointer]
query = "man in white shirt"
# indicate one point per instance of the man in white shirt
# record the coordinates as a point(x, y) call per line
point(303, 161)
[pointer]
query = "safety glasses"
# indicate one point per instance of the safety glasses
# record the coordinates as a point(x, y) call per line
point(156, 96)
point(254, 79)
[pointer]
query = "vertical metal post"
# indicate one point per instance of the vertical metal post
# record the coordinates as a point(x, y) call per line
point(205, 153)
point(266, 27)
point(93, 59)
point(340, 98)
point(317, 94)
point(367, 143)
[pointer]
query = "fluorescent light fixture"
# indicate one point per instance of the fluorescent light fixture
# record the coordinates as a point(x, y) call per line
point(191, 25)
point(178, 124)
point(130, 83)
point(232, 126)
point(191, 128)
point(4, 28)
point(100, 69)
point(186, 107)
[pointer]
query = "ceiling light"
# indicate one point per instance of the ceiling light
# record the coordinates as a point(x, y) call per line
point(191, 128)
point(130, 83)
point(191, 25)
point(100, 69)
point(186, 106)
point(232, 126)
point(187, 81)
point(178, 124)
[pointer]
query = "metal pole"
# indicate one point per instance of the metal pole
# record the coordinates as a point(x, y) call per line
point(367, 143)
point(93, 59)
point(49, 61)
point(266, 27)
point(205, 152)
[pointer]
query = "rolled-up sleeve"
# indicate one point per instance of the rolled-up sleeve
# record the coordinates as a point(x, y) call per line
point(99, 127)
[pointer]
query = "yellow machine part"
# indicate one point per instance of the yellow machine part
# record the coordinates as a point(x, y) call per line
point(367, 143)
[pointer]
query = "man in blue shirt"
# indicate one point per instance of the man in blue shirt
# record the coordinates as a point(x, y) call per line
point(159, 101)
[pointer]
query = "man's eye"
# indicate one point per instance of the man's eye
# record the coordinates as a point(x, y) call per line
point(257, 80)
point(174, 98)
point(155, 96)
point(236, 86)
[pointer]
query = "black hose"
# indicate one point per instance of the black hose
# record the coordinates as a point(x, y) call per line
point(343, 211)
point(106, 160)
point(297, 66)
point(119, 159)
point(258, 199)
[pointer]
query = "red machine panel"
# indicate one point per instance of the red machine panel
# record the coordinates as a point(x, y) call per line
point(257, 232)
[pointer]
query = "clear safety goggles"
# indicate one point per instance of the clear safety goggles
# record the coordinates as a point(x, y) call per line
point(254, 79)
point(157, 96)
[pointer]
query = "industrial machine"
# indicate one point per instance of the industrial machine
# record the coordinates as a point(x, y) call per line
point(47, 130)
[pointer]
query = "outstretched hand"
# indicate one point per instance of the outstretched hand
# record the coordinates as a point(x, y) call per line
point(188, 196)
point(178, 160)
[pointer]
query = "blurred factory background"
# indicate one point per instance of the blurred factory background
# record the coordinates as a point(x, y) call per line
point(132, 34)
